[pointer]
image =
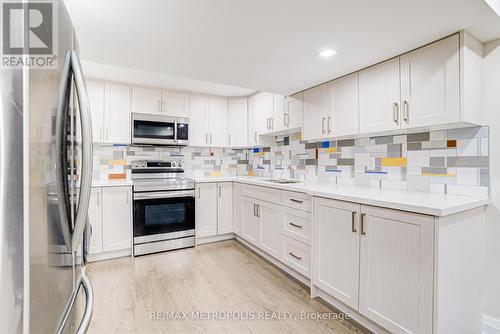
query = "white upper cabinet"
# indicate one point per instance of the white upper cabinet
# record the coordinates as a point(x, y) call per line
point(317, 112)
point(117, 114)
point(95, 91)
point(237, 116)
point(217, 122)
point(294, 111)
point(175, 104)
point(146, 100)
point(379, 97)
point(198, 136)
point(345, 107)
point(278, 119)
point(260, 114)
point(430, 84)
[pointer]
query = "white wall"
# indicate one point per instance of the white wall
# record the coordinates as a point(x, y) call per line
point(491, 305)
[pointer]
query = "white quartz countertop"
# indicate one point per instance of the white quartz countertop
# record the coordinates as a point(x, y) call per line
point(414, 201)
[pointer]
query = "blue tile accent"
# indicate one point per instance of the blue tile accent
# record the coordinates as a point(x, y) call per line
point(325, 144)
point(256, 150)
point(374, 172)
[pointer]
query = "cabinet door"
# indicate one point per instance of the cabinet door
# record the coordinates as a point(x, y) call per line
point(317, 112)
point(146, 100)
point(260, 113)
point(430, 84)
point(250, 222)
point(253, 132)
point(206, 210)
point(95, 91)
point(225, 208)
point(271, 217)
point(336, 249)
point(237, 122)
point(238, 209)
point(396, 270)
point(294, 114)
point(217, 122)
point(379, 97)
point(117, 114)
point(278, 119)
point(175, 104)
point(95, 221)
point(345, 108)
point(116, 218)
point(198, 134)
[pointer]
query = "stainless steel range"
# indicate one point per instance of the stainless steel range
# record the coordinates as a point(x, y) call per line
point(164, 207)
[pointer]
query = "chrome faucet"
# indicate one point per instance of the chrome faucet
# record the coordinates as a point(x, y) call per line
point(292, 172)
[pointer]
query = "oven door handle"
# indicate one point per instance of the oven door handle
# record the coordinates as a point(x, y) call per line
point(164, 194)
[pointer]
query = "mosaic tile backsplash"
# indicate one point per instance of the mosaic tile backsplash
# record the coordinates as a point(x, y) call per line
point(447, 161)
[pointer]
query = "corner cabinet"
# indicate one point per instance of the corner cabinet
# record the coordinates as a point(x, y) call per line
point(110, 218)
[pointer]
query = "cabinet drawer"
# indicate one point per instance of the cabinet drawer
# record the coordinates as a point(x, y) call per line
point(296, 255)
point(297, 200)
point(262, 193)
point(297, 225)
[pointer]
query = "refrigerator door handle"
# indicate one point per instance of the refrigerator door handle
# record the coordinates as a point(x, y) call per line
point(61, 150)
point(86, 148)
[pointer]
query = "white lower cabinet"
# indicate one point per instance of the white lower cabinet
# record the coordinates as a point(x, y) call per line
point(214, 209)
point(377, 261)
point(270, 216)
point(250, 221)
point(110, 217)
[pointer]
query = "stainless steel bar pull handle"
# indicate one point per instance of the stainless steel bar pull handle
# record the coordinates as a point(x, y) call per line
point(296, 200)
point(89, 304)
point(323, 125)
point(210, 138)
point(395, 111)
point(220, 191)
point(328, 125)
point(363, 224)
point(295, 225)
point(206, 138)
point(353, 228)
point(406, 112)
point(295, 256)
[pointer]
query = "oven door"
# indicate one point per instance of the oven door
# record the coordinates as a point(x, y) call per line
point(150, 131)
point(163, 215)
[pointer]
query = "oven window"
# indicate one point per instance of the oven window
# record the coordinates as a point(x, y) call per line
point(157, 130)
point(163, 215)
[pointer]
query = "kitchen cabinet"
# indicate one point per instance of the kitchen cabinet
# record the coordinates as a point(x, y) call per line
point(206, 210)
point(95, 221)
point(344, 106)
point(237, 116)
point(260, 114)
point(271, 216)
point(225, 208)
point(379, 97)
point(175, 104)
point(208, 122)
point(116, 218)
point(147, 100)
point(430, 84)
point(317, 113)
point(294, 114)
point(278, 122)
point(396, 269)
point(117, 114)
point(336, 249)
point(250, 220)
point(95, 91)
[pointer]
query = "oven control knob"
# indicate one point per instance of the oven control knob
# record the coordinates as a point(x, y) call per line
point(180, 164)
point(173, 164)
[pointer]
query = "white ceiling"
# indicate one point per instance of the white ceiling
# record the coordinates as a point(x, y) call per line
point(267, 45)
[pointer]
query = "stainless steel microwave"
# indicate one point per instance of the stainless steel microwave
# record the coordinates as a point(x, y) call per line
point(150, 129)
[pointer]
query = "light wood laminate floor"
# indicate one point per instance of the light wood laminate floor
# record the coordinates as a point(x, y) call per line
point(217, 277)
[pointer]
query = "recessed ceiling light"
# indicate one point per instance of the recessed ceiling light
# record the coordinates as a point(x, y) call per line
point(495, 5)
point(327, 53)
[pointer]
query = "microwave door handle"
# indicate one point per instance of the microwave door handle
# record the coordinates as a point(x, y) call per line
point(61, 148)
point(175, 130)
point(86, 148)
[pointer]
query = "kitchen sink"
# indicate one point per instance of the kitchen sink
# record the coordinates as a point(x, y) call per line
point(283, 181)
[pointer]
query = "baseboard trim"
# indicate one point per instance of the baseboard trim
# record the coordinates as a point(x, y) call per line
point(490, 325)
point(214, 238)
point(109, 255)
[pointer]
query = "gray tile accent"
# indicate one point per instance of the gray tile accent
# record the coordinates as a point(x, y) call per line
point(345, 142)
point(345, 162)
point(242, 162)
point(130, 153)
point(148, 149)
point(312, 162)
point(197, 154)
point(464, 133)
point(266, 149)
point(431, 170)
point(394, 150)
point(414, 146)
point(484, 177)
point(421, 136)
point(103, 161)
point(383, 140)
point(266, 162)
point(311, 145)
point(437, 162)
point(467, 162)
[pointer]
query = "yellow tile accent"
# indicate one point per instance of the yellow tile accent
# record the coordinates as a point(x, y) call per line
point(215, 174)
point(250, 173)
point(121, 176)
point(259, 154)
point(393, 162)
point(117, 162)
point(432, 174)
point(331, 150)
point(298, 136)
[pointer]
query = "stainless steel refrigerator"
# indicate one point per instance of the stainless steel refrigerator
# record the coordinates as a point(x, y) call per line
point(45, 179)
